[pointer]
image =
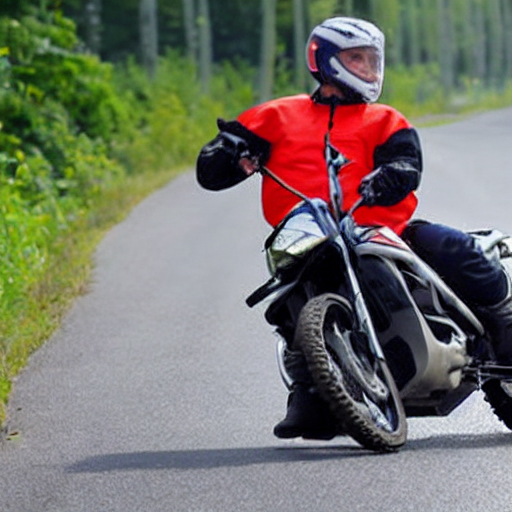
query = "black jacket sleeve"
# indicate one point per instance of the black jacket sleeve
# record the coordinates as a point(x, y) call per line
point(217, 164)
point(400, 160)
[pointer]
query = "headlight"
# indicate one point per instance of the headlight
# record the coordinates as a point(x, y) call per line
point(294, 239)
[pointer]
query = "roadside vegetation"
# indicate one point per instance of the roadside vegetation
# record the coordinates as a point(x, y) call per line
point(82, 141)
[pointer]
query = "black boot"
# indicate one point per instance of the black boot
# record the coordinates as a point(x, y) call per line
point(497, 319)
point(307, 414)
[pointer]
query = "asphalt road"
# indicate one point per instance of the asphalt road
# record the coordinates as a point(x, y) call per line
point(160, 390)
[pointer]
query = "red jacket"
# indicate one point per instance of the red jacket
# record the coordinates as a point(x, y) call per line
point(366, 134)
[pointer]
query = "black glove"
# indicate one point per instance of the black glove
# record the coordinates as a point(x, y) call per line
point(242, 143)
point(389, 184)
point(241, 153)
point(234, 145)
point(228, 158)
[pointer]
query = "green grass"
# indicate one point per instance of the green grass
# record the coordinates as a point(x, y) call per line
point(35, 316)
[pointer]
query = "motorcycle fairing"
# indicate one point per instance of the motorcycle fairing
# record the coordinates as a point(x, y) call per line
point(314, 277)
point(301, 234)
point(386, 244)
point(411, 339)
point(409, 303)
point(301, 254)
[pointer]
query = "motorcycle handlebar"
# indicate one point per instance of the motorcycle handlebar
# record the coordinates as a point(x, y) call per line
point(355, 206)
point(266, 171)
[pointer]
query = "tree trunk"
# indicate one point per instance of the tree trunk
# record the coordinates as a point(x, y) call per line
point(205, 45)
point(148, 35)
point(189, 21)
point(466, 37)
point(411, 18)
point(299, 40)
point(446, 60)
point(507, 23)
point(428, 31)
point(496, 53)
point(387, 15)
point(347, 8)
point(479, 48)
point(93, 25)
point(268, 49)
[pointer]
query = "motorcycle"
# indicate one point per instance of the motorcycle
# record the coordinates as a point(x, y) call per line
point(383, 337)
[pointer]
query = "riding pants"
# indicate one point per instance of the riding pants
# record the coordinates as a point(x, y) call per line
point(458, 260)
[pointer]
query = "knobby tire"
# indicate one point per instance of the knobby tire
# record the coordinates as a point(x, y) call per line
point(310, 339)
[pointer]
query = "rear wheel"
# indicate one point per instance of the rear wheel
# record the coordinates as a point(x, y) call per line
point(499, 395)
point(356, 384)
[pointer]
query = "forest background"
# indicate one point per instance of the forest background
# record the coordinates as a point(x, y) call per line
point(103, 101)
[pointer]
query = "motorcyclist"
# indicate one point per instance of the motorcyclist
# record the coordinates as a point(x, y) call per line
point(346, 57)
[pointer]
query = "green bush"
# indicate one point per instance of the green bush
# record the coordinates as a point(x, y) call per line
point(71, 128)
point(418, 91)
point(58, 114)
point(170, 118)
point(414, 91)
point(44, 65)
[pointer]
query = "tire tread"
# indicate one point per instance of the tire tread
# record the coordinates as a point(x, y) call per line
point(309, 337)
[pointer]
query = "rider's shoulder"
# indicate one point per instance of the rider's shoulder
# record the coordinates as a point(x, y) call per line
point(383, 109)
point(292, 101)
point(384, 113)
point(282, 107)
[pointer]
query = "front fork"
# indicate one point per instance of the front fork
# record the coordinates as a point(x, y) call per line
point(281, 349)
point(364, 321)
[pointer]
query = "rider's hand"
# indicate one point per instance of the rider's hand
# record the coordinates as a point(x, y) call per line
point(371, 188)
point(249, 164)
point(242, 155)
point(388, 184)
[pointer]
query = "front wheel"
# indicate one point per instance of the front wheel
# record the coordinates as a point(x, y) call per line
point(356, 384)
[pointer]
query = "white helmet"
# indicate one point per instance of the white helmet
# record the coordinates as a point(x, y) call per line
point(329, 62)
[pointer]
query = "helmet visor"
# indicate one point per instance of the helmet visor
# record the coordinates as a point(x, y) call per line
point(364, 62)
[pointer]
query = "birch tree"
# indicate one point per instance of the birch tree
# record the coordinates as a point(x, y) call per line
point(413, 39)
point(507, 24)
point(465, 37)
point(268, 49)
point(428, 32)
point(299, 42)
point(189, 22)
point(446, 59)
point(205, 45)
point(319, 10)
point(496, 48)
point(479, 45)
point(148, 27)
point(93, 25)
point(347, 7)
point(388, 16)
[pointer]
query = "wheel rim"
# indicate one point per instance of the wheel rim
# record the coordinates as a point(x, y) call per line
point(358, 369)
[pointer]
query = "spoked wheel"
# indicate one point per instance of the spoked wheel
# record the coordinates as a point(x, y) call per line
point(356, 384)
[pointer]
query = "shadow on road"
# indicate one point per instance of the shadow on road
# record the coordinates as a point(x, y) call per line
point(231, 457)
point(459, 442)
point(208, 459)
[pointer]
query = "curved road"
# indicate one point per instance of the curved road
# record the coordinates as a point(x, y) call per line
point(160, 390)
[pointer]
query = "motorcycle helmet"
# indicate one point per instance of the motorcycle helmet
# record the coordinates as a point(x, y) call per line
point(348, 53)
